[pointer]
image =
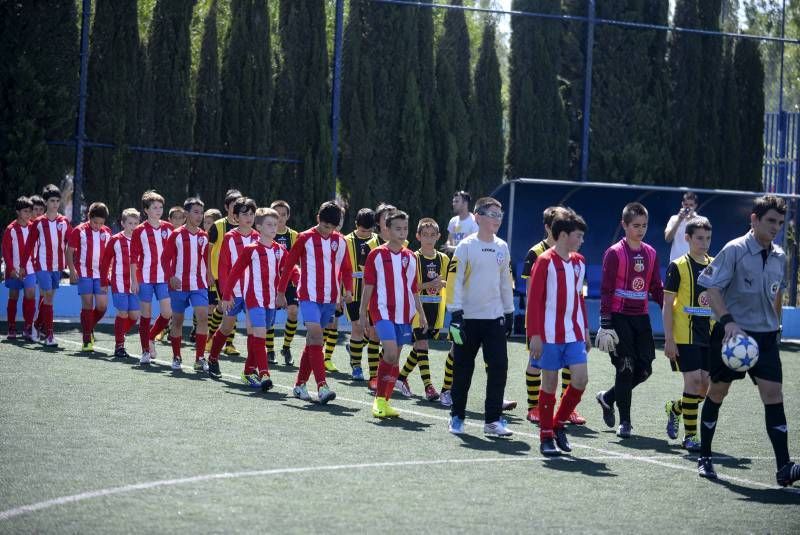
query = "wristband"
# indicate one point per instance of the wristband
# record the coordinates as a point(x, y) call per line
point(725, 319)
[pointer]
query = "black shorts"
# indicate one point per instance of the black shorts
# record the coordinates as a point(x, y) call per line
point(768, 366)
point(691, 358)
point(635, 342)
point(432, 316)
point(353, 310)
point(291, 295)
point(213, 296)
point(430, 334)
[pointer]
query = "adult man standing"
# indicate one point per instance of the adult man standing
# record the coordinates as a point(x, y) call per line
point(676, 226)
point(462, 224)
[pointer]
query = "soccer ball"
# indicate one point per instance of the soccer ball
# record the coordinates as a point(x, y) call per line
point(740, 353)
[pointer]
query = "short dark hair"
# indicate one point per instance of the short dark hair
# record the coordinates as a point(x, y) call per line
point(765, 203)
point(696, 223)
point(690, 196)
point(485, 202)
point(98, 209)
point(466, 197)
point(50, 190)
point(242, 205)
point(633, 209)
point(149, 197)
point(551, 212)
point(230, 196)
point(365, 218)
point(330, 212)
point(37, 200)
point(22, 203)
point(397, 214)
point(192, 201)
point(176, 211)
point(382, 210)
point(567, 222)
point(281, 204)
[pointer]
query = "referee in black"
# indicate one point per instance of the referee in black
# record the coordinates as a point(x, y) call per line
point(745, 284)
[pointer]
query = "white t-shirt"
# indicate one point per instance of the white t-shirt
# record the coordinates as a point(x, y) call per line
point(679, 244)
point(458, 228)
point(482, 286)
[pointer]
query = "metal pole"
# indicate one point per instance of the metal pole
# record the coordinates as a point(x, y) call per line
point(587, 91)
point(336, 91)
point(80, 129)
point(783, 186)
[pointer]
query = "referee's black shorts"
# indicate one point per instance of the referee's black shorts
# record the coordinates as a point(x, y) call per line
point(768, 366)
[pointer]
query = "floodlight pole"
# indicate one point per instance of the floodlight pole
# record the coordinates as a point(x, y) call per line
point(587, 90)
point(80, 128)
point(336, 92)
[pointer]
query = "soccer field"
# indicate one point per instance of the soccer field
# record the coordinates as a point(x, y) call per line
point(90, 444)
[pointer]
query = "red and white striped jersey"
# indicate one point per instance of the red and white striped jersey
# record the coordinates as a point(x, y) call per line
point(394, 276)
point(14, 241)
point(186, 257)
point(556, 308)
point(117, 260)
point(47, 242)
point(258, 268)
point(232, 245)
point(147, 247)
point(324, 265)
point(89, 247)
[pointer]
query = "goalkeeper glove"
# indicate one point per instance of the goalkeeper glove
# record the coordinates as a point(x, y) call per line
point(606, 340)
point(456, 330)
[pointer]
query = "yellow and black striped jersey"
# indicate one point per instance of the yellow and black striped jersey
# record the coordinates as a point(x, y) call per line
point(530, 258)
point(691, 310)
point(287, 238)
point(215, 237)
point(430, 268)
point(358, 249)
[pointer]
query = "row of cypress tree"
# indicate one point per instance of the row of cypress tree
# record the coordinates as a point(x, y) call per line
point(420, 117)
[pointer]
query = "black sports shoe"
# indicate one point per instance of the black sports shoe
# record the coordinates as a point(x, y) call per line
point(788, 474)
point(287, 356)
point(624, 430)
point(705, 468)
point(608, 410)
point(213, 370)
point(562, 441)
point(120, 353)
point(271, 357)
point(266, 384)
point(548, 448)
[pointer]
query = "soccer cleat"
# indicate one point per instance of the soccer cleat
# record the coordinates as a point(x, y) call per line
point(325, 394)
point(403, 387)
point(271, 357)
point(176, 363)
point(160, 336)
point(533, 415)
point(705, 468)
point(287, 356)
point(201, 365)
point(50, 341)
point(673, 420)
point(330, 366)
point(120, 353)
point(252, 379)
point(12, 335)
point(28, 334)
point(88, 347)
point(357, 374)
point(301, 392)
point(497, 429)
point(382, 409)
point(562, 441)
point(446, 399)
point(372, 386)
point(266, 383)
point(575, 418)
point(456, 425)
point(213, 370)
point(153, 353)
point(548, 448)
point(145, 359)
point(430, 393)
point(608, 410)
point(691, 443)
point(231, 351)
point(624, 430)
point(42, 337)
point(509, 405)
point(788, 474)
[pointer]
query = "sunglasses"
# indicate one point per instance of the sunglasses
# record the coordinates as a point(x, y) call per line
point(493, 214)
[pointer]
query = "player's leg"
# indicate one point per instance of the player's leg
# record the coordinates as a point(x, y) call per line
point(179, 301)
point(533, 385)
point(492, 335)
point(199, 302)
point(100, 305)
point(290, 327)
point(574, 417)
point(410, 364)
point(29, 306)
point(11, 308)
point(331, 334)
point(373, 356)
point(392, 338)
point(422, 349)
point(356, 345)
point(547, 399)
point(85, 291)
point(166, 305)
point(573, 357)
point(220, 337)
point(463, 368)
point(692, 362)
point(446, 398)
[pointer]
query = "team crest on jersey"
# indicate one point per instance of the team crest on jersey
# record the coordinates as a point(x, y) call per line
point(61, 226)
point(432, 274)
point(334, 246)
point(104, 236)
point(637, 284)
point(577, 268)
point(500, 257)
point(638, 263)
point(703, 299)
point(201, 241)
point(404, 262)
point(164, 233)
point(773, 288)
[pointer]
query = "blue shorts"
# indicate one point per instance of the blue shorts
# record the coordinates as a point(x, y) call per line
point(48, 280)
point(146, 291)
point(87, 286)
point(181, 300)
point(125, 302)
point(321, 313)
point(557, 356)
point(29, 281)
point(395, 332)
point(261, 317)
point(238, 306)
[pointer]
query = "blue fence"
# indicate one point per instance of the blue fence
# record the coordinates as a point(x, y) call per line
point(781, 151)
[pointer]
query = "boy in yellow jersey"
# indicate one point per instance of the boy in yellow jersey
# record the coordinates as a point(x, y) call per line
point(687, 330)
point(286, 236)
point(533, 376)
point(358, 249)
point(431, 272)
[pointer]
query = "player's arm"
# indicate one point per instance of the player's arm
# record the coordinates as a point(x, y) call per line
point(670, 290)
point(30, 244)
point(168, 258)
point(656, 286)
point(606, 338)
point(536, 303)
point(235, 274)
point(672, 227)
point(213, 236)
point(8, 255)
point(716, 277)
point(346, 274)
point(291, 261)
point(461, 259)
point(135, 259)
point(223, 266)
point(72, 246)
point(105, 262)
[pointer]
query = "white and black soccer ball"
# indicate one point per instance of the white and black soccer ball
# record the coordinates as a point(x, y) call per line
point(740, 353)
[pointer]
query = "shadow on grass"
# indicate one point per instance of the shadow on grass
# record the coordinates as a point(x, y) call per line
point(401, 423)
point(330, 408)
point(578, 465)
point(776, 496)
point(504, 446)
point(638, 442)
point(581, 431)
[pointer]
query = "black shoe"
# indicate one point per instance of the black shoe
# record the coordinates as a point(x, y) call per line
point(271, 357)
point(788, 474)
point(608, 410)
point(562, 441)
point(287, 356)
point(266, 384)
point(624, 430)
point(120, 353)
point(548, 448)
point(705, 468)
point(213, 370)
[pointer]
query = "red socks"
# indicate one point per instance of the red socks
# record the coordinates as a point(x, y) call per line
point(305, 368)
point(86, 324)
point(547, 403)
point(217, 343)
point(387, 376)
point(317, 364)
point(120, 325)
point(569, 400)
point(144, 333)
point(250, 362)
point(200, 345)
point(176, 345)
point(28, 311)
point(260, 356)
point(11, 312)
point(46, 316)
point(160, 324)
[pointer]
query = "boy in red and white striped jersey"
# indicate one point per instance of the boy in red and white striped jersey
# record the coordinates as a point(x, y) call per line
point(558, 328)
point(19, 276)
point(147, 274)
point(86, 245)
point(46, 244)
point(116, 269)
point(392, 293)
point(324, 264)
point(184, 262)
